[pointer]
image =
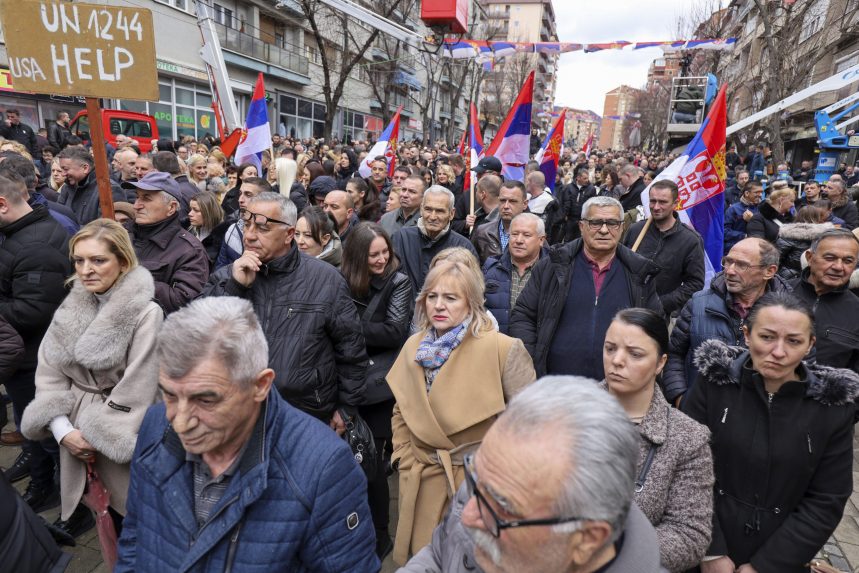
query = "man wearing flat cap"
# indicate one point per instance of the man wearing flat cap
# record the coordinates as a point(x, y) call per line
point(176, 259)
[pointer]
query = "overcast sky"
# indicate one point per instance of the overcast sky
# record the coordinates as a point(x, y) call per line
point(584, 79)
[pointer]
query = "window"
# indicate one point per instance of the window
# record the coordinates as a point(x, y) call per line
point(180, 4)
point(130, 127)
point(223, 15)
point(183, 109)
point(814, 19)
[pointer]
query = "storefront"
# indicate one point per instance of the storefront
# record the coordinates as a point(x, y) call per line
point(301, 118)
point(37, 110)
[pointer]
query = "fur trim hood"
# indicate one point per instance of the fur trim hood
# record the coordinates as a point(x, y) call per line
point(722, 364)
point(98, 338)
point(803, 231)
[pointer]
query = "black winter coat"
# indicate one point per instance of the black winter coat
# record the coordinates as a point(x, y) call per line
point(574, 198)
point(27, 544)
point(848, 214)
point(176, 258)
point(11, 351)
point(34, 264)
point(538, 310)
point(765, 224)
point(23, 134)
point(783, 462)
point(793, 240)
point(632, 198)
point(83, 198)
point(315, 343)
point(679, 253)
point(415, 251)
point(386, 313)
point(836, 317)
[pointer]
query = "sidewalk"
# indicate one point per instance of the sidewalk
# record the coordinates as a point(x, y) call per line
point(842, 550)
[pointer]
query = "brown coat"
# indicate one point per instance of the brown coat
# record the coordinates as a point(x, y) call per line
point(433, 431)
point(677, 496)
point(97, 366)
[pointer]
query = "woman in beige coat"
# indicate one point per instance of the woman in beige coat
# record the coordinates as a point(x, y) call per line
point(450, 382)
point(97, 372)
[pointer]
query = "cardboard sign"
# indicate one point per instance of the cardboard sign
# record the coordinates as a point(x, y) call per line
point(80, 49)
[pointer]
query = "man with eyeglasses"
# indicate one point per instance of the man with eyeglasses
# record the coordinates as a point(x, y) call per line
point(176, 258)
point(316, 344)
point(842, 206)
point(564, 311)
point(233, 245)
point(719, 312)
point(537, 499)
point(832, 259)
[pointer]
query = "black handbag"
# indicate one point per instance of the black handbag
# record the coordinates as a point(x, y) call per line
point(360, 439)
point(377, 389)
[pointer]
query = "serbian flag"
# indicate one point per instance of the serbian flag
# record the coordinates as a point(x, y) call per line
point(386, 146)
point(700, 176)
point(550, 153)
point(256, 136)
point(461, 149)
point(588, 145)
point(511, 144)
point(475, 146)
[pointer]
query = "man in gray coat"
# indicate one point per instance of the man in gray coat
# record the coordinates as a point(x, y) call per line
point(582, 488)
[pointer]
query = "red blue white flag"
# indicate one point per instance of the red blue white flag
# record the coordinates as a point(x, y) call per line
point(386, 146)
point(700, 177)
point(256, 136)
point(550, 153)
point(511, 144)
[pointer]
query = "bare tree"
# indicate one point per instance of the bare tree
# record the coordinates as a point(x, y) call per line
point(342, 43)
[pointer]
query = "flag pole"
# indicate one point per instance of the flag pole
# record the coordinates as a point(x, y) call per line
point(471, 185)
point(641, 234)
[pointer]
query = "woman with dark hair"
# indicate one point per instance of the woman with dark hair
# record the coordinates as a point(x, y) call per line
point(782, 441)
point(384, 299)
point(674, 487)
point(312, 170)
point(427, 176)
point(230, 203)
point(347, 165)
point(316, 235)
point(367, 205)
point(207, 223)
point(611, 186)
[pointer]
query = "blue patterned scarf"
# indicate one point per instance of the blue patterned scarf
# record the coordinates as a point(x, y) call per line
point(434, 350)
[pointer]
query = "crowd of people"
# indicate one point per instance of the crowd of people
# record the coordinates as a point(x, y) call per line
point(247, 353)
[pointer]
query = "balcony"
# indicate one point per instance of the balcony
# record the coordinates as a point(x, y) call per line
point(247, 51)
point(291, 6)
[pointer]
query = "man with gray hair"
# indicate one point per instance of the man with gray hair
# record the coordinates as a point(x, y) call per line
point(228, 476)
point(842, 206)
point(632, 180)
point(568, 304)
point(549, 489)
point(80, 191)
point(507, 275)
point(176, 259)
point(316, 345)
point(416, 246)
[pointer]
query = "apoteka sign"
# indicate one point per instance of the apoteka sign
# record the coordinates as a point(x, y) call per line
point(76, 49)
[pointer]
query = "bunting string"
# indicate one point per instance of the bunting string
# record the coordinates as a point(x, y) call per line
point(487, 50)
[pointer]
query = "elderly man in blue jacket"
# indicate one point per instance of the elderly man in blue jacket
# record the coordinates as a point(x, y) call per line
point(226, 475)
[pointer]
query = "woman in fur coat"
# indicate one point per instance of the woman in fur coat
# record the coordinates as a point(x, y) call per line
point(97, 372)
point(782, 440)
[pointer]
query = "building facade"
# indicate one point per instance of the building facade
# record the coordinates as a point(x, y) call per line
point(618, 106)
point(255, 37)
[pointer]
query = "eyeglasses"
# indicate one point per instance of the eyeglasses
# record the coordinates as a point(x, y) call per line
point(260, 221)
point(493, 523)
point(741, 266)
point(597, 224)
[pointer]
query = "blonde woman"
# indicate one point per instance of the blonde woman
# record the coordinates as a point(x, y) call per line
point(450, 381)
point(97, 372)
point(198, 171)
point(58, 177)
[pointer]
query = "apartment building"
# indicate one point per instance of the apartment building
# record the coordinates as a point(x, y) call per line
point(619, 103)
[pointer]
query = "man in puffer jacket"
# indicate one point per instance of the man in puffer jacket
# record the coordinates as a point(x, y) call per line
point(314, 334)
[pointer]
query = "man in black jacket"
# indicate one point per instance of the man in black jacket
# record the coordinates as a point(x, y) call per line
point(823, 286)
point(58, 132)
point(21, 132)
point(80, 192)
point(34, 263)
point(568, 304)
point(633, 183)
point(842, 206)
point(416, 246)
point(677, 249)
point(575, 195)
point(316, 345)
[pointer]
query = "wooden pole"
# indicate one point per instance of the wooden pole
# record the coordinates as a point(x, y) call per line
point(641, 234)
point(99, 154)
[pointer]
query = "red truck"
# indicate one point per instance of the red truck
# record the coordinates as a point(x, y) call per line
point(138, 126)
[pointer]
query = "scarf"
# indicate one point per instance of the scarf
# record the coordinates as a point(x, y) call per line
point(434, 350)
